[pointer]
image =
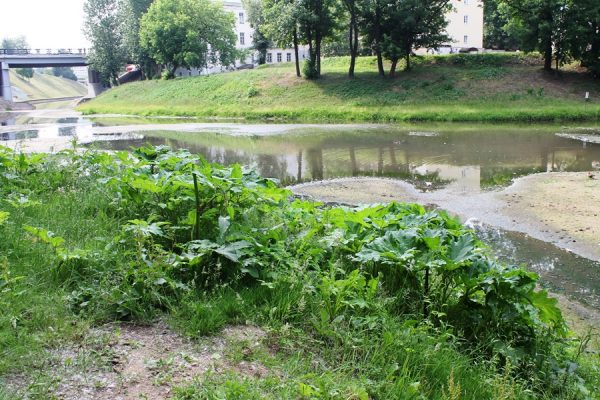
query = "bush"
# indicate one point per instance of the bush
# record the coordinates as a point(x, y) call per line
point(309, 69)
point(166, 75)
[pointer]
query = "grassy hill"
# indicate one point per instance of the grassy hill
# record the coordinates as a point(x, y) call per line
point(495, 87)
point(43, 86)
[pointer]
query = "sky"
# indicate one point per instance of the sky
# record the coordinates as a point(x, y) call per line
point(44, 23)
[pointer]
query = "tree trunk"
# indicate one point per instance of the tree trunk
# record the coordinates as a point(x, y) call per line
point(380, 63)
point(408, 66)
point(393, 68)
point(378, 40)
point(548, 56)
point(318, 53)
point(352, 55)
point(296, 52)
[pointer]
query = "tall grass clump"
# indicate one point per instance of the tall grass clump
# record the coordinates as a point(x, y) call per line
point(395, 300)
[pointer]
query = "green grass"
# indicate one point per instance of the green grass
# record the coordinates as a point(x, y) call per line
point(114, 244)
point(495, 87)
point(44, 86)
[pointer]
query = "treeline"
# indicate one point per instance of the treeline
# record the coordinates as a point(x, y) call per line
point(199, 33)
point(196, 33)
point(389, 29)
point(156, 35)
point(561, 30)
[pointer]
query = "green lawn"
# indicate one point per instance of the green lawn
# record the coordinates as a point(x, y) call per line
point(493, 87)
point(44, 86)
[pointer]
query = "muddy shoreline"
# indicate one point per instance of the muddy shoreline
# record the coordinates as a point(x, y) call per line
point(559, 208)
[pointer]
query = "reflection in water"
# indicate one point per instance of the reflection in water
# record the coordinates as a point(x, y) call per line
point(67, 131)
point(560, 270)
point(465, 162)
point(20, 135)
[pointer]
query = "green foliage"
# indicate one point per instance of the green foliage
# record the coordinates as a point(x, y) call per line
point(413, 24)
point(65, 72)
point(309, 69)
point(18, 42)
point(188, 33)
point(214, 245)
point(102, 28)
point(131, 12)
point(496, 19)
point(256, 19)
point(25, 72)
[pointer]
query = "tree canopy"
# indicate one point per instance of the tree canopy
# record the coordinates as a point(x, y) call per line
point(17, 42)
point(256, 18)
point(188, 33)
point(102, 27)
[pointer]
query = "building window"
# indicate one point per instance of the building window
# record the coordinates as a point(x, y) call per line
point(242, 39)
point(269, 58)
point(465, 39)
point(466, 19)
point(278, 57)
point(288, 57)
point(241, 18)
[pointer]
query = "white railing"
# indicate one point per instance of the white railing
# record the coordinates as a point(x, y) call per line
point(47, 52)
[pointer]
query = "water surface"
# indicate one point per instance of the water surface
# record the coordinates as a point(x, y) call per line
point(466, 158)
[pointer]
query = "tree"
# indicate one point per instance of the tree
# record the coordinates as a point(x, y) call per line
point(316, 22)
point(17, 42)
point(543, 25)
point(281, 25)
point(25, 72)
point(496, 18)
point(256, 18)
point(353, 9)
point(585, 41)
point(373, 12)
point(411, 24)
point(102, 28)
point(65, 72)
point(131, 12)
point(188, 33)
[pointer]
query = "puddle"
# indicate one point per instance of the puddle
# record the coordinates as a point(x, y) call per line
point(560, 271)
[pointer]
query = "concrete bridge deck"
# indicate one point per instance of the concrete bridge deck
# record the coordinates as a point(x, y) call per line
point(43, 58)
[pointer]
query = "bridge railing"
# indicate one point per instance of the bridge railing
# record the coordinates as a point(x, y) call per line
point(49, 52)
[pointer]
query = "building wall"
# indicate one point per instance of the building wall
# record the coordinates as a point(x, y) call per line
point(465, 25)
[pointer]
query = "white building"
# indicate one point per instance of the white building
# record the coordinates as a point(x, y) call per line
point(465, 25)
point(244, 35)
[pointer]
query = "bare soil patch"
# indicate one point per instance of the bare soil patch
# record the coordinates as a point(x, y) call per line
point(122, 362)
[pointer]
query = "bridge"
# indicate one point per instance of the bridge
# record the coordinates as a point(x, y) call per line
point(42, 58)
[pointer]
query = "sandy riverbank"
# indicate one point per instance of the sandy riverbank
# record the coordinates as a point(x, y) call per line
point(561, 208)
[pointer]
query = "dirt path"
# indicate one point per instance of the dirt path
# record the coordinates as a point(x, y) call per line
point(127, 362)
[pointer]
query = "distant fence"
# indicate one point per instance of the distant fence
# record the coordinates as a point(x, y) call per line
point(48, 52)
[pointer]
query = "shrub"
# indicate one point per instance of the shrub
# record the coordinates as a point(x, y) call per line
point(309, 69)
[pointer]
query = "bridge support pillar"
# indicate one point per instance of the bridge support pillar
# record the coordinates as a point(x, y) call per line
point(94, 84)
point(5, 82)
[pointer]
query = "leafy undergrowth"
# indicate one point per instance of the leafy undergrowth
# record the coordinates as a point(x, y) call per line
point(471, 87)
point(380, 302)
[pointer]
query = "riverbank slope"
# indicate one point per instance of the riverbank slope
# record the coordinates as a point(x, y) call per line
point(485, 87)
